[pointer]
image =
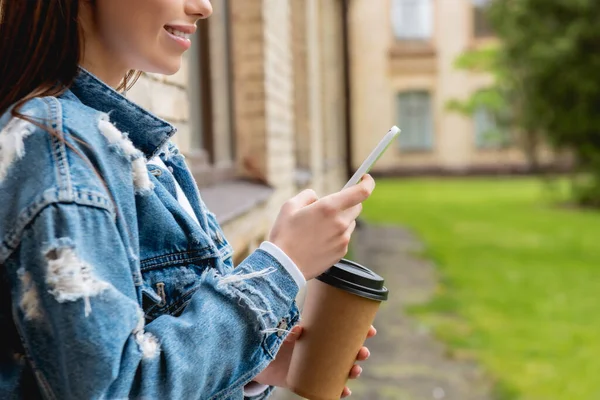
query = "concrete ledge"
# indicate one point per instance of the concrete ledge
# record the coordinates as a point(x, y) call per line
point(229, 200)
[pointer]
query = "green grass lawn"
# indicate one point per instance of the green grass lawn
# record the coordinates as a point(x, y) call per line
point(520, 278)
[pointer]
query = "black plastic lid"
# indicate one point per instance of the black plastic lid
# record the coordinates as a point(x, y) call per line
point(356, 279)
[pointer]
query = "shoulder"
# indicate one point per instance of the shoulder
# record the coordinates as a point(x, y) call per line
point(43, 160)
point(25, 137)
point(41, 149)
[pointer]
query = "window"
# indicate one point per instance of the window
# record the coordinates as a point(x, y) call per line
point(481, 25)
point(211, 98)
point(412, 19)
point(200, 90)
point(415, 118)
point(222, 149)
point(488, 134)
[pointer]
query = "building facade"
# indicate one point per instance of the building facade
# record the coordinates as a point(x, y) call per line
point(280, 95)
point(402, 66)
point(260, 108)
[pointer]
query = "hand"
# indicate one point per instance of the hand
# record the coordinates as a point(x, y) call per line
point(315, 233)
point(276, 372)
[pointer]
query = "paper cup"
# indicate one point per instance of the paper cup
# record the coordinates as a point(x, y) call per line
point(339, 308)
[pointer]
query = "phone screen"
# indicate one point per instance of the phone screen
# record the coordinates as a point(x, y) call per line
point(374, 156)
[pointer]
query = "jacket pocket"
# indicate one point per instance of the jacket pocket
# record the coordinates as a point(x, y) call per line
point(169, 288)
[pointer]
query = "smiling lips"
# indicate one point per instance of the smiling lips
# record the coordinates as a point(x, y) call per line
point(178, 33)
point(181, 34)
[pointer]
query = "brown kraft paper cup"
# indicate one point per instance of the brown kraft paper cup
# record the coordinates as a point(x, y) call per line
point(338, 311)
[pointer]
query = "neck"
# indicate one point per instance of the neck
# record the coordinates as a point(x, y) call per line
point(111, 78)
point(96, 57)
point(101, 64)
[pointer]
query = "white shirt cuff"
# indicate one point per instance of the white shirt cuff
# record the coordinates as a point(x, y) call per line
point(254, 389)
point(287, 263)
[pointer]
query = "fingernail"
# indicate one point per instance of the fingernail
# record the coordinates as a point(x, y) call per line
point(360, 370)
point(368, 353)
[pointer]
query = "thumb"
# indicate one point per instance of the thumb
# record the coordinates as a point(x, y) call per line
point(294, 334)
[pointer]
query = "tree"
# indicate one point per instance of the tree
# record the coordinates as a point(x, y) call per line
point(502, 100)
point(551, 56)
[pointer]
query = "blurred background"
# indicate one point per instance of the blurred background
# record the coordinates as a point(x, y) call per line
point(484, 222)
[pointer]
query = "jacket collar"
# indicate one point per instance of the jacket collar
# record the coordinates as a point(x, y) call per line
point(146, 131)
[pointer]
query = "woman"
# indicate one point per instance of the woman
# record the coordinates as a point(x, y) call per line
point(116, 281)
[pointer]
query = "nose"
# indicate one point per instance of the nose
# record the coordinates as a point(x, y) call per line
point(200, 9)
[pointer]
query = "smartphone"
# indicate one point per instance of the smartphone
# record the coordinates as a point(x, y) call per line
point(374, 156)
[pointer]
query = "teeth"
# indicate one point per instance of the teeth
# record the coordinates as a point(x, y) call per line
point(178, 33)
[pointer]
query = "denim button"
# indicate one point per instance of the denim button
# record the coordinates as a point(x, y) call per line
point(156, 172)
point(282, 327)
point(219, 237)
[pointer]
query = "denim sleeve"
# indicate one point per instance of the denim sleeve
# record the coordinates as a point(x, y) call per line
point(77, 309)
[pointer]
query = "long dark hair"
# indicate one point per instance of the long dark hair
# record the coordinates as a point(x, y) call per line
point(41, 46)
point(40, 49)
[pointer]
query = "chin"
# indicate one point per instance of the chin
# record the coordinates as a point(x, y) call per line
point(166, 66)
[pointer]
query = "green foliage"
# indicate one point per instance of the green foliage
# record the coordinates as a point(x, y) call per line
point(520, 278)
point(490, 98)
point(494, 97)
point(495, 100)
point(481, 60)
point(551, 51)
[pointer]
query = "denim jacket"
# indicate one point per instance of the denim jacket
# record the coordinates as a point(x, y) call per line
point(108, 288)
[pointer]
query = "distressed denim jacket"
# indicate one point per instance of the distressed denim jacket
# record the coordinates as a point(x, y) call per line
point(108, 288)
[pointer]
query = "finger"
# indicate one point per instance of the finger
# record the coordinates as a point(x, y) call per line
point(351, 228)
point(352, 213)
point(363, 354)
point(354, 195)
point(346, 392)
point(355, 372)
point(304, 198)
point(372, 332)
point(294, 334)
